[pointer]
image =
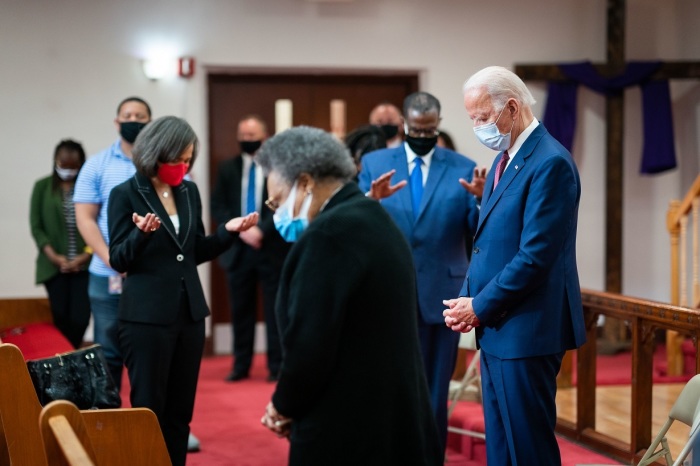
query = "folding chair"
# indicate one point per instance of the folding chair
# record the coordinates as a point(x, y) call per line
point(686, 409)
point(471, 382)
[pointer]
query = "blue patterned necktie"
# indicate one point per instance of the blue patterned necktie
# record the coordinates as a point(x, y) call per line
point(416, 182)
point(250, 198)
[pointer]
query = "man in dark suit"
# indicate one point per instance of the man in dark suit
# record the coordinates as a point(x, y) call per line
point(256, 256)
point(437, 215)
point(522, 291)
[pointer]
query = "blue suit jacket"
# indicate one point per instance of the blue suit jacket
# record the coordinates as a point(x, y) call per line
point(523, 274)
point(443, 227)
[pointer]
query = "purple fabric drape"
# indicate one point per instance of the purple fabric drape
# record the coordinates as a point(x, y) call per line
point(658, 153)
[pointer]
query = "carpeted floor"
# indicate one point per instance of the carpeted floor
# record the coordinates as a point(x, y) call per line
point(616, 369)
point(227, 423)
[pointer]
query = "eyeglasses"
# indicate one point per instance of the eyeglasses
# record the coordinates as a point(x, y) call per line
point(272, 204)
point(421, 132)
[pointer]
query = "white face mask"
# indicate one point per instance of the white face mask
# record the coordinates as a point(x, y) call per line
point(489, 135)
point(66, 174)
point(289, 226)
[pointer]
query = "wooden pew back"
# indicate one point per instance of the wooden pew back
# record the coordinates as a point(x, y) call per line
point(64, 435)
point(119, 436)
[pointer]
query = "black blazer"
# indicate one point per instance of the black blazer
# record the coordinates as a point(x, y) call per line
point(226, 204)
point(352, 377)
point(158, 264)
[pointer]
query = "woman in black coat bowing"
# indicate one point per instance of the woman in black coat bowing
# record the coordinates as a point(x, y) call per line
point(157, 239)
point(352, 388)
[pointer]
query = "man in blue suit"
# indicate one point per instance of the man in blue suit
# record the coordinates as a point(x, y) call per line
point(438, 217)
point(522, 292)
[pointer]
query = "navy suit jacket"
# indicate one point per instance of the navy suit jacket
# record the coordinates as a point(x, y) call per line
point(443, 227)
point(523, 273)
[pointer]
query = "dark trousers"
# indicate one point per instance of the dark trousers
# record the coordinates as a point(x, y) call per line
point(439, 348)
point(163, 365)
point(520, 410)
point(251, 269)
point(70, 304)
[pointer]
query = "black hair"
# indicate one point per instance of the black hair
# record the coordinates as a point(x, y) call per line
point(134, 99)
point(69, 145)
point(422, 102)
point(364, 139)
point(447, 139)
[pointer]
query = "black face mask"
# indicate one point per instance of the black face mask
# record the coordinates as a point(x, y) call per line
point(390, 131)
point(250, 147)
point(130, 129)
point(421, 146)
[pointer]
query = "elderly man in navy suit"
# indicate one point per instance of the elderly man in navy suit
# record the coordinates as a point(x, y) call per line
point(522, 292)
point(438, 217)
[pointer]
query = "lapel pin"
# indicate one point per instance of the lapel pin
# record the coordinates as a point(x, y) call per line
point(516, 167)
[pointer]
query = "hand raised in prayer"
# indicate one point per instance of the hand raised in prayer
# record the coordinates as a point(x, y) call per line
point(382, 187)
point(253, 237)
point(239, 224)
point(148, 223)
point(476, 187)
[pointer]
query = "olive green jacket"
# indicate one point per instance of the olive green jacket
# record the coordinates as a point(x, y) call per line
point(48, 225)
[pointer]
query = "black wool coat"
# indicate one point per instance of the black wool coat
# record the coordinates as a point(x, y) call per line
point(352, 376)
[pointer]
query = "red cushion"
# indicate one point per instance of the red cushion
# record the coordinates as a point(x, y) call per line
point(36, 340)
point(467, 415)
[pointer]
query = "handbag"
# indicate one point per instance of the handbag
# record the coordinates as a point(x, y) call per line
point(80, 376)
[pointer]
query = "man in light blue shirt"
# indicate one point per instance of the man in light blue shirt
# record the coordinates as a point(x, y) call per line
point(99, 175)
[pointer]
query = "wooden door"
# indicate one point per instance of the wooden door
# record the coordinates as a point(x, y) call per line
point(233, 96)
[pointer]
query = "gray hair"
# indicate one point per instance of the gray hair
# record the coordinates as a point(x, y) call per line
point(501, 84)
point(304, 149)
point(163, 140)
point(422, 102)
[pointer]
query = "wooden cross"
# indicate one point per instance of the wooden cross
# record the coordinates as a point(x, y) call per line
point(614, 332)
point(614, 108)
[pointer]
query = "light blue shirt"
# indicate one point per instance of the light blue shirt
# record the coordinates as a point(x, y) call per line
point(97, 177)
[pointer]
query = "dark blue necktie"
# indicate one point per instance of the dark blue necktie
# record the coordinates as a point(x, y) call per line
point(416, 182)
point(250, 198)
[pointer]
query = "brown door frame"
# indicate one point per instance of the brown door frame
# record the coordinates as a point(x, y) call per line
point(323, 76)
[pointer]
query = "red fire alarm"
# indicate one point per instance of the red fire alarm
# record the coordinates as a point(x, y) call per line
point(186, 67)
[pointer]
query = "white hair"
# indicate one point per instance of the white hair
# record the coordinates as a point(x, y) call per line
point(501, 84)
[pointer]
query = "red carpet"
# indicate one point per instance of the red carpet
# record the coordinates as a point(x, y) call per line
point(227, 417)
point(617, 369)
point(468, 451)
point(227, 423)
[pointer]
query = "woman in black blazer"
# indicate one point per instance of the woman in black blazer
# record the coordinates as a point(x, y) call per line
point(352, 389)
point(157, 239)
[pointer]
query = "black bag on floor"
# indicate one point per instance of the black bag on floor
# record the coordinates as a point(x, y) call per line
point(80, 376)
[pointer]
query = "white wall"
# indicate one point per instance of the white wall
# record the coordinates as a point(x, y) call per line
point(65, 66)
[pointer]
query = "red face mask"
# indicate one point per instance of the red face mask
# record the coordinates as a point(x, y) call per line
point(172, 174)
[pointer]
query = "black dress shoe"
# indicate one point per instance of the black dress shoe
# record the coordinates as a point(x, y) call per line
point(236, 376)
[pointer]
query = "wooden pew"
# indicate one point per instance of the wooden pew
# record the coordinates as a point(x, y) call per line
point(15, 312)
point(119, 436)
point(65, 438)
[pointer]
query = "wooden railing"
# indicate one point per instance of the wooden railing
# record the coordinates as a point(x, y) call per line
point(643, 318)
point(682, 217)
